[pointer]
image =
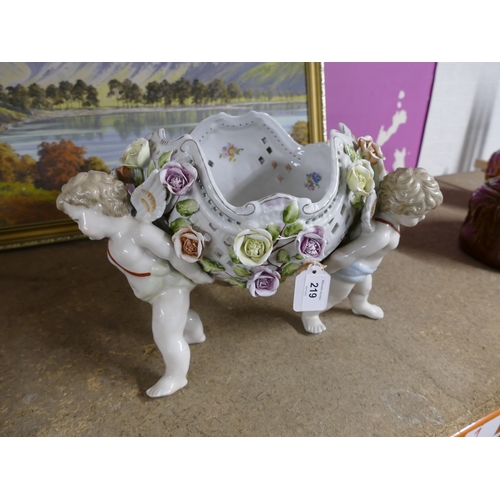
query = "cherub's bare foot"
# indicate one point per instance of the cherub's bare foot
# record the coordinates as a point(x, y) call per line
point(369, 310)
point(193, 331)
point(194, 337)
point(166, 386)
point(312, 323)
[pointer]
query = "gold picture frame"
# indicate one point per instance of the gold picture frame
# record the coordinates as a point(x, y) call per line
point(64, 230)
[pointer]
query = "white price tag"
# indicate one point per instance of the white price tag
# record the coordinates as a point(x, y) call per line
point(311, 290)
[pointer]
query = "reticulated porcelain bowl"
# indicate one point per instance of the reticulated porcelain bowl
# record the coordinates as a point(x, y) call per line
point(259, 197)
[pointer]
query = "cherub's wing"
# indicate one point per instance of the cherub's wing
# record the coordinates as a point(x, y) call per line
point(149, 199)
point(345, 130)
point(368, 211)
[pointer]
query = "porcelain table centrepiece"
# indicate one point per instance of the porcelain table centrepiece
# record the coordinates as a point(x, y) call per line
point(239, 200)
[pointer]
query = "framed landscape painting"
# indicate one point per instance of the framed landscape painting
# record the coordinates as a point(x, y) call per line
point(58, 119)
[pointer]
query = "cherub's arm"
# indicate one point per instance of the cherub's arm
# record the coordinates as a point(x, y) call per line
point(160, 244)
point(364, 246)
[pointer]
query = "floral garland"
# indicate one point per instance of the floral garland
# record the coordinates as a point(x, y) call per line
point(367, 169)
point(260, 259)
point(263, 257)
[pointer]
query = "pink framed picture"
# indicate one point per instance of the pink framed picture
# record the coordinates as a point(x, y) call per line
point(388, 101)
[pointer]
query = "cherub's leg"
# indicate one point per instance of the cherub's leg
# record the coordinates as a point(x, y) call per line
point(193, 331)
point(339, 290)
point(359, 300)
point(170, 312)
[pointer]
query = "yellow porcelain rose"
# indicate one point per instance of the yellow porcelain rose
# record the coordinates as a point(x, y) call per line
point(360, 178)
point(253, 246)
point(137, 154)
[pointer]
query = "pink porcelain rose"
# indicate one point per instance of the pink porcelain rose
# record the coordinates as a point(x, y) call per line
point(188, 244)
point(370, 150)
point(177, 178)
point(311, 243)
point(264, 282)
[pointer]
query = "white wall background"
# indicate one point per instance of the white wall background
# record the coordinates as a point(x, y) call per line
point(463, 123)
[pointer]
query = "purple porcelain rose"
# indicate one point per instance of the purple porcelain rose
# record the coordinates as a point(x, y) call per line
point(264, 282)
point(311, 242)
point(178, 178)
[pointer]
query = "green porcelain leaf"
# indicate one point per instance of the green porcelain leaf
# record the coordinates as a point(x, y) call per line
point(164, 158)
point(241, 271)
point(283, 257)
point(349, 149)
point(273, 230)
point(232, 255)
point(188, 207)
point(178, 224)
point(210, 266)
point(291, 213)
point(237, 282)
point(290, 269)
point(293, 229)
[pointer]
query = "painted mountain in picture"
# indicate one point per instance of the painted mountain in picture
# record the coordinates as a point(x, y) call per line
point(264, 77)
point(61, 118)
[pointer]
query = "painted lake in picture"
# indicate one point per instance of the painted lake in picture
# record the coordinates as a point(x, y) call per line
point(107, 135)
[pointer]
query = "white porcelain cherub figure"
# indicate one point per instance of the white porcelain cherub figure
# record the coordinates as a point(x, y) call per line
point(98, 202)
point(404, 197)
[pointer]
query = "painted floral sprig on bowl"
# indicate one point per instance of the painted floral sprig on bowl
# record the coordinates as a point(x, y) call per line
point(230, 151)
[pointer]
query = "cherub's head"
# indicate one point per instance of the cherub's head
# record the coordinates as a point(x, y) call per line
point(94, 200)
point(95, 189)
point(409, 192)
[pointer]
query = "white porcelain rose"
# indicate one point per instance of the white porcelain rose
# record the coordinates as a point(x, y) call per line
point(137, 154)
point(253, 246)
point(360, 178)
point(188, 244)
